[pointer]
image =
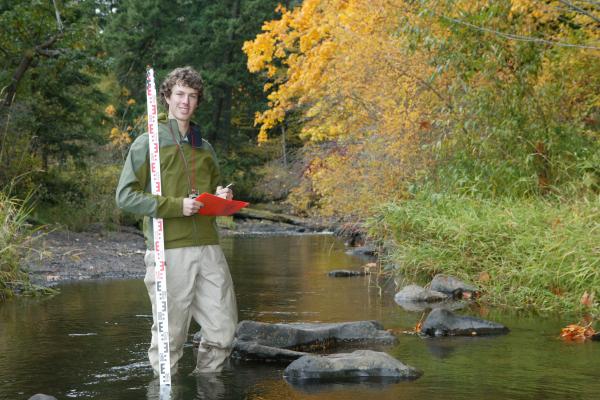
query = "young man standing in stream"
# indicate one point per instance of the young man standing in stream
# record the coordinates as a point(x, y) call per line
point(199, 284)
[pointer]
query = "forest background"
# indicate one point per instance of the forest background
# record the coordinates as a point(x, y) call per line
point(463, 135)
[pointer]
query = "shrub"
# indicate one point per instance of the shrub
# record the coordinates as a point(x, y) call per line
point(15, 239)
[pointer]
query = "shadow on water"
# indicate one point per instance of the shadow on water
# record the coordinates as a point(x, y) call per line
point(90, 341)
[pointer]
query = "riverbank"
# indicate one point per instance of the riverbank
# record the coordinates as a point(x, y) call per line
point(524, 253)
point(99, 253)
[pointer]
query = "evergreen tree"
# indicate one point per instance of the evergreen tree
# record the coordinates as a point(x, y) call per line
point(51, 56)
point(207, 35)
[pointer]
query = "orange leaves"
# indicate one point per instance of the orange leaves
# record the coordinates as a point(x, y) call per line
point(582, 331)
point(577, 333)
point(334, 69)
point(262, 138)
point(418, 327)
point(260, 52)
point(119, 138)
point(110, 110)
point(341, 66)
point(310, 39)
point(122, 122)
point(425, 125)
point(410, 331)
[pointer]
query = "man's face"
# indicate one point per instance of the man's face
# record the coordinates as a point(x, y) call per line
point(182, 102)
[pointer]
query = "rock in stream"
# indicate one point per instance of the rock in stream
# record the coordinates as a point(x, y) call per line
point(452, 286)
point(359, 364)
point(416, 293)
point(442, 322)
point(285, 342)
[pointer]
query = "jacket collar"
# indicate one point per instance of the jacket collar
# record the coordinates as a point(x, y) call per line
point(193, 137)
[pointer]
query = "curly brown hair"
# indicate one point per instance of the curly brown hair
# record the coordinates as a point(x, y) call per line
point(184, 76)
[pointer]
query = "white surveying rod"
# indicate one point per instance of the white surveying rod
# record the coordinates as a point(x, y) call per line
point(161, 319)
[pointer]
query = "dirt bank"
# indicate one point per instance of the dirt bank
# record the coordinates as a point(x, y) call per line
point(98, 253)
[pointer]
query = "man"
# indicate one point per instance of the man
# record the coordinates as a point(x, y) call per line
point(198, 281)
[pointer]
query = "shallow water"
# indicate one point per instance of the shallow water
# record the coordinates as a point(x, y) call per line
point(90, 341)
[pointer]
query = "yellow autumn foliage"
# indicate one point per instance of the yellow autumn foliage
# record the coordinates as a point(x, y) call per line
point(373, 103)
point(119, 138)
point(110, 110)
point(124, 123)
point(359, 93)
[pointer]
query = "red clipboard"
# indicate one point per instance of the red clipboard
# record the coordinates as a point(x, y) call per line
point(217, 206)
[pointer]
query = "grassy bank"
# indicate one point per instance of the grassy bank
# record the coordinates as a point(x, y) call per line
point(16, 237)
point(523, 253)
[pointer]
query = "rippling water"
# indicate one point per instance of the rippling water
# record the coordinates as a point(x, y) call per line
point(90, 341)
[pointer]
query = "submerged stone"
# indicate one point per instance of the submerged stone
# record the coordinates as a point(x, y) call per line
point(344, 273)
point(362, 251)
point(450, 305)
point(442, 322)
point(41, 396)
point(359, 364)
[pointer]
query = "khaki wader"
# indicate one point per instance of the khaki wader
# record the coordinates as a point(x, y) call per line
point(199, 286)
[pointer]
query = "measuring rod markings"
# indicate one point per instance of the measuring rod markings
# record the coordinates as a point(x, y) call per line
point(162, 315)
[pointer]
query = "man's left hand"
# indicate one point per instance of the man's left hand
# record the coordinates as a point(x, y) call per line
point(224, 192)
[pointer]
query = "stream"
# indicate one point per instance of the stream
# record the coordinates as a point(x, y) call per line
point(90, 341)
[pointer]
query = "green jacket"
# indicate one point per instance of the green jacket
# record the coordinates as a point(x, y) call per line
point(135, 195)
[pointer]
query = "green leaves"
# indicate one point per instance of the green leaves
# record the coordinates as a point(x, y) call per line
point(48, 77)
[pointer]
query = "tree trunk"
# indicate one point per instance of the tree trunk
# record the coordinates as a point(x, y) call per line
point(11, 91)
point(24, 65)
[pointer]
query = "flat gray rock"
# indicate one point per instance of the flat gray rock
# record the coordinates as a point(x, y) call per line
point(442, 322)
point(450, 285)
point(307, 336)
point(362, 251)
point(345, 273)
point(252, 351)
point(41, 396)
point(359, 364)
point(416, 293)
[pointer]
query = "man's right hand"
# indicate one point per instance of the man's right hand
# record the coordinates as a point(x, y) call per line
point(191, 206)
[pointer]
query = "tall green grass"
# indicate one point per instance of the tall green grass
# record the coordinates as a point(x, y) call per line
point(16, 236)
point(537, 253)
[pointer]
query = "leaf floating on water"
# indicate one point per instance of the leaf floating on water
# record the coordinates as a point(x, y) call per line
point(418, 327)
point(577, 333)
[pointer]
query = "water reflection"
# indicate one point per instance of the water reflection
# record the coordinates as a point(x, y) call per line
point(372, 385)
point(208, 387)
point(90, 342)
